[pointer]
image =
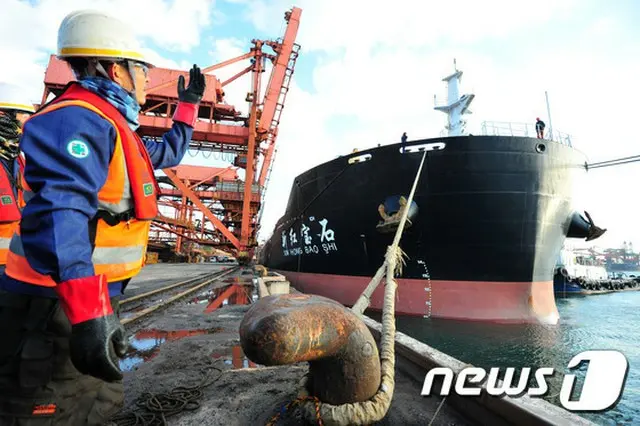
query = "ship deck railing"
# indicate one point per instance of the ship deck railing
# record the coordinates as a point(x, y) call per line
point(501, 128)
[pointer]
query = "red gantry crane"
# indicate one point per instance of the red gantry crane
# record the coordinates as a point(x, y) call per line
point(209, 206)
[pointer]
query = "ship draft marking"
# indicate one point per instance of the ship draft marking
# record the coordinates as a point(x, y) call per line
point(428, 289)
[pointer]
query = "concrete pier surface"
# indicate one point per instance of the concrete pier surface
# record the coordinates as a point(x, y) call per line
point(160, 274)
point(186, 360)
point(181, 345)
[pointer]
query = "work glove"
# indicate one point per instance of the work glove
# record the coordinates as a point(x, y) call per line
point(187, 109)
point(97, 337)
point(194, 92)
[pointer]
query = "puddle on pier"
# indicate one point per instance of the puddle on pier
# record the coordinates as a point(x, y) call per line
point(237, 292)
point(145, 344)
point(235, 357)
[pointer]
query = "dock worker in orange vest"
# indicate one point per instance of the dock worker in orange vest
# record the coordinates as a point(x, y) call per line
point(90, 195)
point(15, 108)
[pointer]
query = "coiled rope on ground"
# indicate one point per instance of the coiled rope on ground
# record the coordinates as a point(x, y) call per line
point(154, 409)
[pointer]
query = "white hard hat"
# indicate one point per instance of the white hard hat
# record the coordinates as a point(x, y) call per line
point(93, 34)
point(13, 97)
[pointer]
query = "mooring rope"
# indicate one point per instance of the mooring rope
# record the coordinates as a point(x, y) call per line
point(154, 409)
point(373, 410)
point(614, 162)
point(365, 298)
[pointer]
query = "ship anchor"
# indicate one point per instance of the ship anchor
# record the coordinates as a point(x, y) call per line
point(594, 231)
point(390, 222)
point(579, 227)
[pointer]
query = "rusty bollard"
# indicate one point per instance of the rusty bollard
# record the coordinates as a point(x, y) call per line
point(344, 365)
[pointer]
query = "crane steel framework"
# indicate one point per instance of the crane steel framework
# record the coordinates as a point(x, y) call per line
point(209, 206)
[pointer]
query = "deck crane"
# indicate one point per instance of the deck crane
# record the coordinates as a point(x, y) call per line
point(229, 208)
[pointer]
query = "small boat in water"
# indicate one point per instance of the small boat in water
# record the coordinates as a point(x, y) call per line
point(577, 272)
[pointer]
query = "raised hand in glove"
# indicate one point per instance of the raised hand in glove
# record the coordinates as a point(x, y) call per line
point(187, 110)
point(194, 92)
point(97, 337)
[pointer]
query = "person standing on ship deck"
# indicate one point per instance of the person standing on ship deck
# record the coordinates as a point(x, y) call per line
point(403, 141)
point(90, 195)
point(540, 128)
point(15, 108)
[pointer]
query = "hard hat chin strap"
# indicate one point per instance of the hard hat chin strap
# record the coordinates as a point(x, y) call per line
point(132, 72)
point(130, 67)
point(100, 69)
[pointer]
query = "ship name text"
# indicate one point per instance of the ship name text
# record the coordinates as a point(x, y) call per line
point(312, 238)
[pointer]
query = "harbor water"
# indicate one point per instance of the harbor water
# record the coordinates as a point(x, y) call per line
point(605, 321)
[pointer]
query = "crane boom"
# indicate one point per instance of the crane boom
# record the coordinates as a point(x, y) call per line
point(287, 52)
point(285, 49)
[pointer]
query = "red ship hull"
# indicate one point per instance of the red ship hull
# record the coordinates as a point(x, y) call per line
point(517, 302)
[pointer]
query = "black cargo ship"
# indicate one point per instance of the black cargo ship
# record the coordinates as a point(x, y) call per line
point(489, 217)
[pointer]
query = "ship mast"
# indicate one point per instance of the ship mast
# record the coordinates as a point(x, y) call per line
point(456, 105)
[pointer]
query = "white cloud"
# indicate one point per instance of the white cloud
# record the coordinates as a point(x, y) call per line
point(158, 60)
point(236, 91)
point(604, 26)
point(361, 24)
point(227, 48)
point(28, 32)
point(172, 24)
point(384, 70)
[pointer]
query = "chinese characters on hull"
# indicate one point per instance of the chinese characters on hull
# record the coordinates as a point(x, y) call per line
point(303, 239)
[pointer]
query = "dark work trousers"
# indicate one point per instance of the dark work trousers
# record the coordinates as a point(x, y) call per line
point(39, 386)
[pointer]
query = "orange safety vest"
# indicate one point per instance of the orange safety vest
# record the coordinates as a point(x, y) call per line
point(119, 250)
point(9, 214)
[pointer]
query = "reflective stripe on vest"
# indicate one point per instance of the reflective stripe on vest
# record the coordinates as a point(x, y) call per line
point(6, 231)
point(119, 250)
point(119, 253)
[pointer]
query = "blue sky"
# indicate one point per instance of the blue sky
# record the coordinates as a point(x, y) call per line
point(367, 73)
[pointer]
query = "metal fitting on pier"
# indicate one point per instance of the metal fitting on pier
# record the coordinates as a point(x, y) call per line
point(344, 365)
